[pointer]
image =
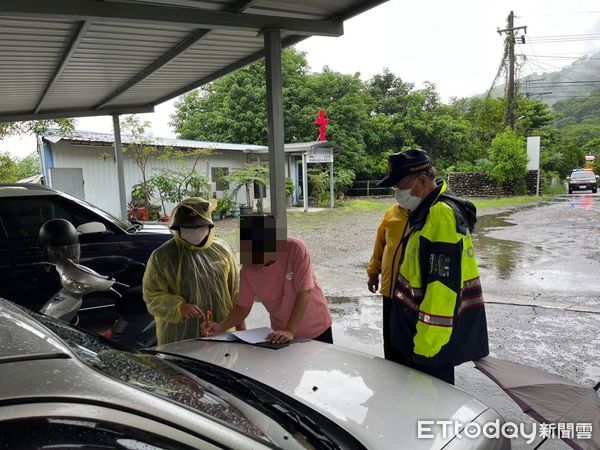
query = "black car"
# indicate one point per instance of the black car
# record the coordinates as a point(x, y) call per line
point(583, 180)
point(25, 276)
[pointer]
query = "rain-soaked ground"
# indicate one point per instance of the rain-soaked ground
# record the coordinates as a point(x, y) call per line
point(540, 271)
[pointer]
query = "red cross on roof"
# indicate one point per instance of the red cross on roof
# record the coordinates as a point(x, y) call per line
point(322, 121)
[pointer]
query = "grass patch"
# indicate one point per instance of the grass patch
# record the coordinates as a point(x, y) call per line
point(363, 205)
point(366, 205)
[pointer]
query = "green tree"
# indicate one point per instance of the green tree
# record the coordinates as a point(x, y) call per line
point(7, 168)
point(141, 150)
point(508, 157)
point(579, 110)
point(233, 108)
point(37, 127)
point(246, 177)
point(174, 186)
point(13, 169)
point(347, 105)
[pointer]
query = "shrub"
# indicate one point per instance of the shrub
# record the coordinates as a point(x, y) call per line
point(508, 157)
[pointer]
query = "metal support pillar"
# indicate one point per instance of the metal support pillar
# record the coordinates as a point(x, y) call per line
point(119, 162)
point(272, 40)
point(260, 189)
point(331, 199)
point(304, 183)
point(43, 163)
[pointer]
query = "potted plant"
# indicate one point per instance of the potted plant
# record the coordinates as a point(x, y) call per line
point(224, 206)
point(174, 186)
point(246, 177)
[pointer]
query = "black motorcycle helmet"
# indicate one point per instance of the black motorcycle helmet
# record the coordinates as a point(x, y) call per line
point(60, 239)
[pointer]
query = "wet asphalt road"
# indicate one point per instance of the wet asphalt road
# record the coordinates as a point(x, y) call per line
point(540, 271)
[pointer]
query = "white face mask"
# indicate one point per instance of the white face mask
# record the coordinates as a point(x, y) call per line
point(194, 235)
point(406, 200)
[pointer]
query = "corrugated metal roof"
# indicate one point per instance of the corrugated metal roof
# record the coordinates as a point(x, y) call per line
point(55, 136)
point(109, 138)
point(69, 58)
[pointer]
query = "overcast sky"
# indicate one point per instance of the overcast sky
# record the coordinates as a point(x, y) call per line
point(452, 44)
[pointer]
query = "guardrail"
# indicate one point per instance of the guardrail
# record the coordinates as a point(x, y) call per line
point(368, 188)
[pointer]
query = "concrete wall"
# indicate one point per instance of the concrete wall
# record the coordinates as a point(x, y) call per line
point(476, 184)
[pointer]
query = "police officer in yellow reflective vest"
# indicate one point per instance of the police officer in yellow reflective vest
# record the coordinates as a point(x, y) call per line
point(438, 317)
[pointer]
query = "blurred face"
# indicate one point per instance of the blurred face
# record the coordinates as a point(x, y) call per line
point(262, 252)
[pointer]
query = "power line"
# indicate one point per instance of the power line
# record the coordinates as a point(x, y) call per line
point(560, 14)
point(556, 69)
point(564, 57)
point(539, 65)
point(560, 36)
point(563, 40)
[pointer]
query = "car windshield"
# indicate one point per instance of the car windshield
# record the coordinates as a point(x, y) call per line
point(124, 224)
point(152, 374)
point(580, 176)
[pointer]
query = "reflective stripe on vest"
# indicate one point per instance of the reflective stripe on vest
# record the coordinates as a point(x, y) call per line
point(431, 319)
point(410, 296)
point(470, 295)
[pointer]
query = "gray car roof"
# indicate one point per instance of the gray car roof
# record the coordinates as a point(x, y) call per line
point(25, 189)
point(23, 338)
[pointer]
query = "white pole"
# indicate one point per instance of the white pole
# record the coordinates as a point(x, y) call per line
point(304, 183)
point(331, 199)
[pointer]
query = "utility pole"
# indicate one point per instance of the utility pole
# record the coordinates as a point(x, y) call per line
point(509, 45)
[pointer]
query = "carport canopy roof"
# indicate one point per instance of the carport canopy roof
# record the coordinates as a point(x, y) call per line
point(73, 58)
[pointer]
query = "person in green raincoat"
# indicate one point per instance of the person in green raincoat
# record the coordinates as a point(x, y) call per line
point(191, 274)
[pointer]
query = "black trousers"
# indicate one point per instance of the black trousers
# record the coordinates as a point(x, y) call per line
point(389, 352)
point(443, 373)
point(326, 336)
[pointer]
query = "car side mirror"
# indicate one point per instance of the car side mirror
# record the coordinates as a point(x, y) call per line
point(91, 228)
point(567, 178)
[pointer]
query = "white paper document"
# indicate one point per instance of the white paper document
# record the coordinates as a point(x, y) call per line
point(253, 336)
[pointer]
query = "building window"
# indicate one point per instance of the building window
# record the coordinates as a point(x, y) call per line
point(216, 176)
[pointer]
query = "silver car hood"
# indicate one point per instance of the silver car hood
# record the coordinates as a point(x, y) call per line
point(377, 401)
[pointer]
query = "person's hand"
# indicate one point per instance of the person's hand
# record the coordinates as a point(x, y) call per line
point(211, 328)
point(280, 337)
point(191, 311)
point(373, 283)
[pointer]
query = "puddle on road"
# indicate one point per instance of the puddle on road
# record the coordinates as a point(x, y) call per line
point(581, 201)
point(498, 255)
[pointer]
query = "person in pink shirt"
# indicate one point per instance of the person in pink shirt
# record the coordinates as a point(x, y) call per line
point(280, 274)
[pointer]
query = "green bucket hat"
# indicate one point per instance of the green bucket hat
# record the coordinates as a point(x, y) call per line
point(193, 212)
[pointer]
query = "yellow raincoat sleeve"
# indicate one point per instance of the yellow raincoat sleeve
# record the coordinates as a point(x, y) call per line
point(377, 255)
point(160, 302)
point(233, 279)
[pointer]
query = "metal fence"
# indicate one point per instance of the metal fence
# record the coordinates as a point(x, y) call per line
point(368, 188)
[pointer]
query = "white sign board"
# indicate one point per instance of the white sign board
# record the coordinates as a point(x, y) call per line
point(320, 155)
point(533, 153)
